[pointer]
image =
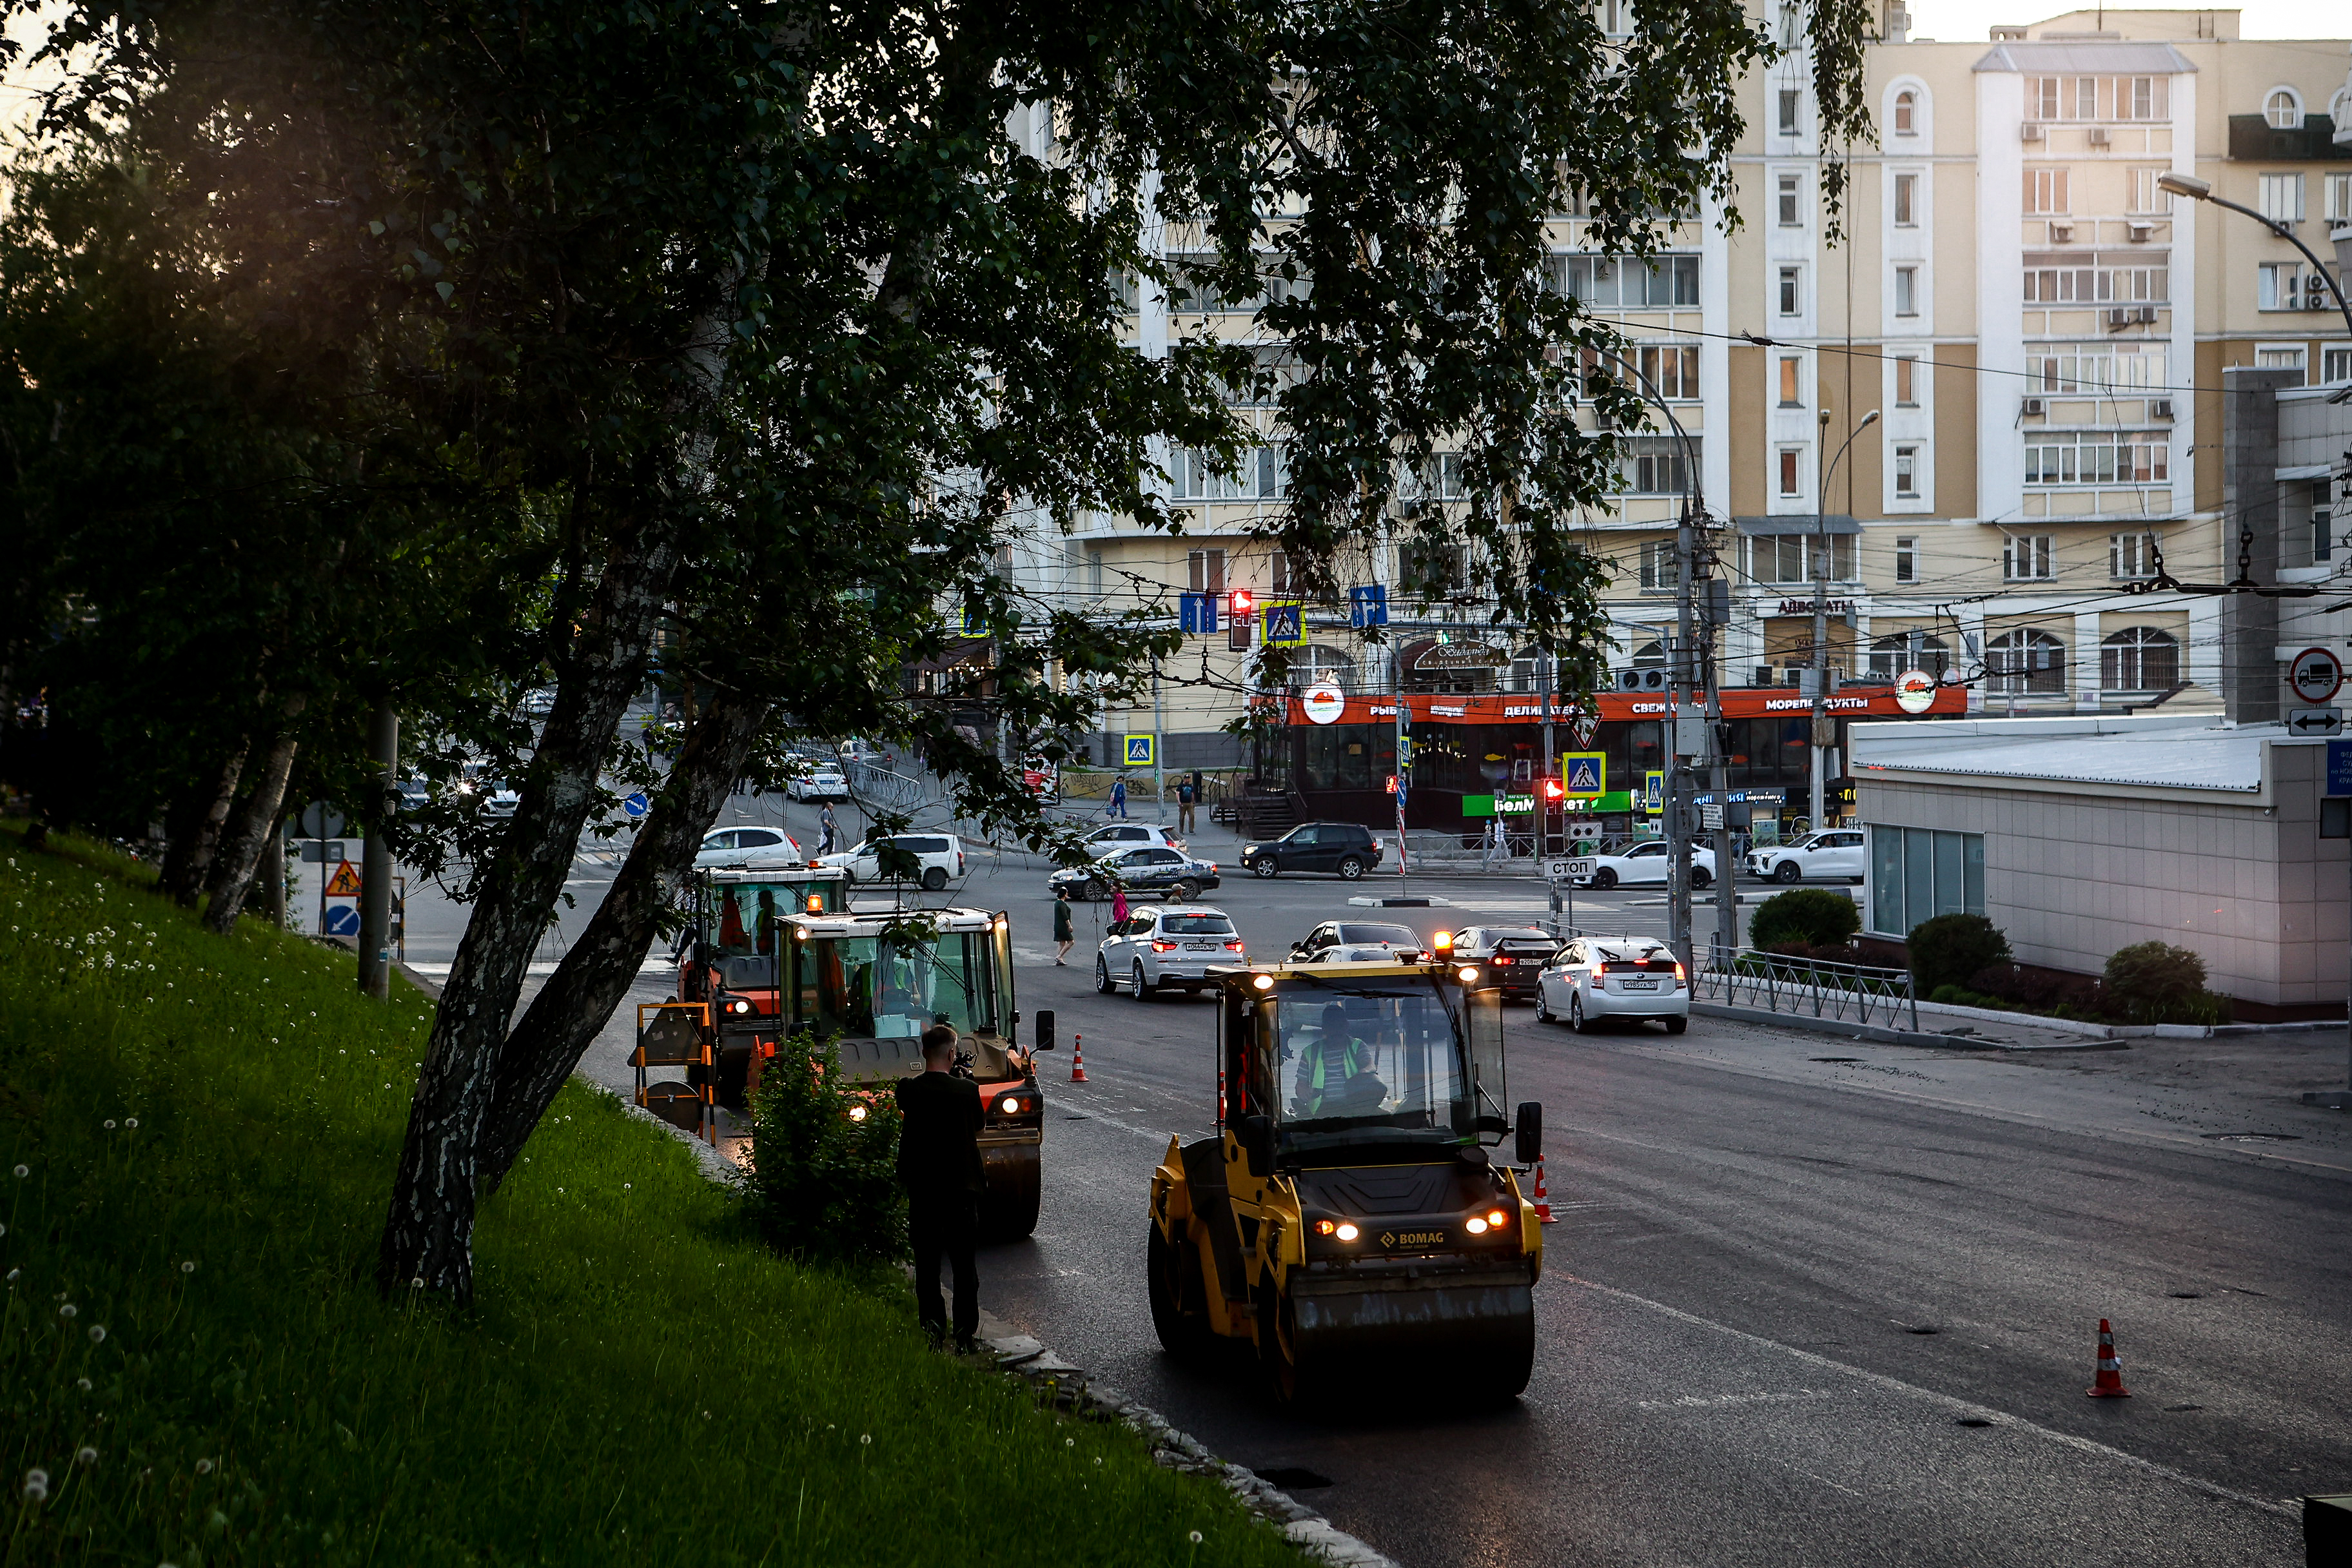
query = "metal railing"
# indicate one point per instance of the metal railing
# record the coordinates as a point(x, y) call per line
point(878, 786)
point(1778, 982)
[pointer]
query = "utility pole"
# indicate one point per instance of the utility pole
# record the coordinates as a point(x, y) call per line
point(375, 862)
point(1727, 863)
point(1159, 744)
point(1676, 758)
point(1543, 803)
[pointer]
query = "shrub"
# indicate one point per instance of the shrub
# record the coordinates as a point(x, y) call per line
point(1952, 950)
point(2156, 983)
point(1812, 916)
point(824, 1187)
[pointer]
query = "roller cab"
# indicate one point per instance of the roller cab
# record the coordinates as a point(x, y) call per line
point(732, 958)
point(1347, 1219)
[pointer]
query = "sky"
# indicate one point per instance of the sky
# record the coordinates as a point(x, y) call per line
point(1953, 21)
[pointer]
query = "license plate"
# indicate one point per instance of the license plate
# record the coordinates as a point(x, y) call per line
point(1200, 947)
point(1639, 984)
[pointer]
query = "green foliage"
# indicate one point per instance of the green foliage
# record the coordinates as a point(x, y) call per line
point(1950, 950)
point(1813, 916)
point(824, 1184)
point(2156, 983)
point(205, 1126)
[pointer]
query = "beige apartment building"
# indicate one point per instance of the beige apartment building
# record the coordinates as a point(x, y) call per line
point(2042, 332)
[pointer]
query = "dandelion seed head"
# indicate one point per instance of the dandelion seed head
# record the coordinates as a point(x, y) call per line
point(85, 1455)
point(82, 1384)
point(203, 1466)
point(98, 1333)
point(37, 1486)
point(68, 1310)
point(189, 1267)
point(1194, 1537)
point(865, 1438)
point(23, 1171)
point(132, 1123)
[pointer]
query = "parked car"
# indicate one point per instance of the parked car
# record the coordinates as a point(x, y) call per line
point(538, 702)
point(1346, 847)
point(414, 794)
point(1403, 943)
point(1345, 954)
point(825, 781)
point(1510, 956)
point(1833, 852)
point(935, 858)
point(1119, 835)
point(1645, 863)
point(499, 798)
point(1614, 978)
point(1144, 868)
point(735, 846)
point(1167, 949)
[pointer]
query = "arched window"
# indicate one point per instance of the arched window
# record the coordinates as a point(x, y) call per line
point(2140, 658)
point(2284, 109)
point(1316, 665)
point(2340, 106)
point(2026, 661)
point(1650, 656)
point(1891, 655)
point(1906, 113)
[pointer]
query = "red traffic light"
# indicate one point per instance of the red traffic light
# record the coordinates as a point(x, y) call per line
point(1240, 602)
point(1554, 790)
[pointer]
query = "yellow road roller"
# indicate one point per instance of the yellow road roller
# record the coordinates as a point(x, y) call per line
point(1347, 1219)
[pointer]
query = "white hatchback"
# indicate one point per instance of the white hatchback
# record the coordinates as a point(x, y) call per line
point(1633, 977)
point(737, 846)
point(1833, 852)
point(1646, 864)
point(1169, 948)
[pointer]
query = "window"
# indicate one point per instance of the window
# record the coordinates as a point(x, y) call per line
point(2058, 280)
point(2337, 191)
point(1673, 371)
point(2290, 285)
point(2129, 556)
point(2147, 196)
point(2142, 98)
point(1788, 99)
point(2284, 110)
point(1654, 465)
point(1891, 655)
point(1906, 290)
point(1791, 381)
point(1906, 382)
point(1095, 573)
point(2140, 658)
point(1792, 201)
point(1906, 473)
point(2099, 458)
point(2282, 197)
point(1916, 874)
point(1660, 568)
point(1907, 201)
point(2113, 367)
point(1906, 113)
point(1792, 290)
point(1316, 665)
point(1791, 471)
point(1262, 472)
point(1907, 558)
point(1207, 571)
point(1279, 571)
point(2280, 357)
point(2026, 661)
point(2045, 191)
point(2025, 558)
point(1625, 282)
point(1790, 557)
point(2335, 366)
point(2323, 541)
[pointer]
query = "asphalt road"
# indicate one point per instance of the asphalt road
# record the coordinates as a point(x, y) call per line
point(1794, 1310)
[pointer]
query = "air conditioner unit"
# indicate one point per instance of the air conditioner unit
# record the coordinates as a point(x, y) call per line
point(2316, 295)
point(2119, 317)
point(1767, 676)
point(2098, 135)
point(2035, 407)
point(2028, 132)
point(2062, 233)
point(2139, 230)
point(2161, 408)
point(2144, 314)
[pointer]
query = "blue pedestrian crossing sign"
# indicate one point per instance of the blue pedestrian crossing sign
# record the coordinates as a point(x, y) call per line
point(1583, 773)
point(1368, 606)
point(1140, 750)
point(1286, 624)
point(972, 623)
point(1654, 791)
point(1196, 614)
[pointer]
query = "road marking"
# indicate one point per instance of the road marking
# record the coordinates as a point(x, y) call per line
point(1958, 1406)
point(1730, 1401)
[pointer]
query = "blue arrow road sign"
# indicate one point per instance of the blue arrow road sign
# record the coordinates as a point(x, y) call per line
point(1197, 614)
point(637, 805)
point(1368, 606)
point(343, 920)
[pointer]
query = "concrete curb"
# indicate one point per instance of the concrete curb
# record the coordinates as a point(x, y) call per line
point(1313, 1534)
point(1879, 1034)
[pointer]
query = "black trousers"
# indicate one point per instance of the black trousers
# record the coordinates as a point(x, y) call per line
point(945, 1225)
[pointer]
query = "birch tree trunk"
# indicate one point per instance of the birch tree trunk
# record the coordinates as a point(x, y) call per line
point(240, 852)
point(196, 839)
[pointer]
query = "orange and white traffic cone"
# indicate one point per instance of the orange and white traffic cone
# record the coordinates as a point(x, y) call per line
point(1077, 1058)
point(2109, 1385)
point(1543, 1194)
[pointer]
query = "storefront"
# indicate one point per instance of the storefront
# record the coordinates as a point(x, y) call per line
point(1473, 754)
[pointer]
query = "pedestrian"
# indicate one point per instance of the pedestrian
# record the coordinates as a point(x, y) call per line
point(939, 1164)
point(1185, 805)
point(825, 830)
point(1119, 905)
point(1118, 807)
point(1064, 933)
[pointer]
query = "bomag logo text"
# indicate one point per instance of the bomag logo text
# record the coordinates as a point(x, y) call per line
point(1412, 1238)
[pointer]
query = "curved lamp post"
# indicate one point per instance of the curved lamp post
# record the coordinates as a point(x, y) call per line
point(1822, 619)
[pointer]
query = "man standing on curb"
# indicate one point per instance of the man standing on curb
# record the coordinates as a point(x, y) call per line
point(1185, 805)
point(1063, 934)
point(826, 840)
point(939, 1164)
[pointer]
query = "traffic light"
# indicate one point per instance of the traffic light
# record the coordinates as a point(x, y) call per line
point(1241, 607)
point(1551, 790)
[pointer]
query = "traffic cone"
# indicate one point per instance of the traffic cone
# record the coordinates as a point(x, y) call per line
point(1077, 1058)
point(1543, 1194)
point(2109, 1385)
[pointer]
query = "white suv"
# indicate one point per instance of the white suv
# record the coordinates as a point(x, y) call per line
point(736, 845)
point(1120, 835)
point(1171, 947)
point(1833, 852)
point(937, 856)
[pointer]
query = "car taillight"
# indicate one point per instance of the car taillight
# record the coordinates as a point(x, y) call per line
point(1163, 947)
point(1233, 947)
point(1502, 958)
point(1679, 976)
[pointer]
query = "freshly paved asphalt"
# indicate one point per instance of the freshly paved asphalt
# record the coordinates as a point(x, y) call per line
point(1794, 1310)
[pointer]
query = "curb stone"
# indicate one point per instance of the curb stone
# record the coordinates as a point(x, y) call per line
point(1023, 1356)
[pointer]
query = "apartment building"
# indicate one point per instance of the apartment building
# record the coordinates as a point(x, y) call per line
point(2041, 331)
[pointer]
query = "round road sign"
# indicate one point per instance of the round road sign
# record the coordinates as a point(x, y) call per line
point(1324, 704)
point(2315, 674)
point(1914, 691)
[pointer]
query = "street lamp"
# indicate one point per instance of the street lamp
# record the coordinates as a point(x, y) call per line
point(1821, 618)
point(2202, 191)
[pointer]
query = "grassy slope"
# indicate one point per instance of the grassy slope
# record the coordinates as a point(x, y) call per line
point(640, 1383)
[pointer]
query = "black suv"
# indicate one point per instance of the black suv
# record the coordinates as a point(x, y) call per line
point(1512, 956)
point(1346, 847)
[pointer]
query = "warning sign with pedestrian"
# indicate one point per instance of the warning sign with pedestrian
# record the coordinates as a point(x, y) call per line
point(344, 883)
point(1139, 750)
point(1286, 624)
point(1583, 773)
